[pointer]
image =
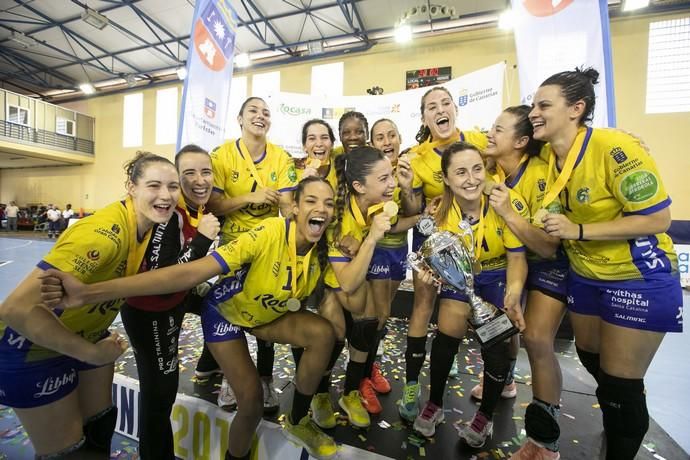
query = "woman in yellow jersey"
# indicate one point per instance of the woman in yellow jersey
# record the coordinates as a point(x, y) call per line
point(317, 142)
point(519, 168)
point(252, 179)
point(387, 269)
point(353, 130)
point(266, 274)
point(624, 292)
point(365, 183)
point(502, 277)
point(56, 367)
point(420, 180)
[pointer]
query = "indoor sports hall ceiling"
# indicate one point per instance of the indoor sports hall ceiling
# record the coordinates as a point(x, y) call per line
point(48, 48)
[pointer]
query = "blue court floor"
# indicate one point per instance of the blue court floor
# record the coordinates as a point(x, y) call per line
point(668, 379)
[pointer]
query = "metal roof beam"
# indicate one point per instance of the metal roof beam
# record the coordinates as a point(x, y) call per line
point(155, 23)
point(363, 28)
point(267, 25)
point(37, 66)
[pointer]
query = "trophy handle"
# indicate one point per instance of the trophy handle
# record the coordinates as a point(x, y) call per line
point(417, 263)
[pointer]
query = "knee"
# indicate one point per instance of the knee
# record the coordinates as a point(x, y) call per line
point(537, 344)
point(250, 401)
point(320, 333)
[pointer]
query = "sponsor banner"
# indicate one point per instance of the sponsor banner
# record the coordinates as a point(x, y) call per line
point(478, 95)
point(200, 429)
point(556, 35)
point(683, 252)
point(209, 73)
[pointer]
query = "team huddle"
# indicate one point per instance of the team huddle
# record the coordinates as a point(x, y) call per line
point(565, 217)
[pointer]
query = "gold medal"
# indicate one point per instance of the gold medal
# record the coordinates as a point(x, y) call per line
point(489, 185)
point(538, 218)
point(390, 208)
point(476, 267)
point(314, 163)
point(293, 304)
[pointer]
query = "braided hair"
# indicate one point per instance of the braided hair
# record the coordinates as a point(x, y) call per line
point(354, 166)
point(353, 114)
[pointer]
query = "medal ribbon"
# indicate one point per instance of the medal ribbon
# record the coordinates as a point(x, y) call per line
point(194, 221)
point(244, 153)
point(357, 214)
point(500, 176)
point(292, 253)
point(137, 249)
point(553, 190)
point(479, 237)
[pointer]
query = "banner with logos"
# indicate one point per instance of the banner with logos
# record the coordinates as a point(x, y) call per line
point(478, 95)
point(209, 74)
point(554, 36)
point(200, 429)
point(683, 252)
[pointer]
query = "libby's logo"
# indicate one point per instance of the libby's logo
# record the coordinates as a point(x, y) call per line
point(52, 385)
point(221, 329)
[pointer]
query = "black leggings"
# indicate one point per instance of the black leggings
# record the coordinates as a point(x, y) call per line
point(154, 336)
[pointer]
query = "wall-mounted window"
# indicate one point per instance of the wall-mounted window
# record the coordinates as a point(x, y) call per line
point(327, 79)
point(133, 120)
point(668, 66)
point(166, 116)
point(18, 115)
point(65, 126)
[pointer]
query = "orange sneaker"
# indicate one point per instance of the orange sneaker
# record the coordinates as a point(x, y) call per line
point(378, 381)
point(369, 399)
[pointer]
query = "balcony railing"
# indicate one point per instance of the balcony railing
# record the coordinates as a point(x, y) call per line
point(41, 136)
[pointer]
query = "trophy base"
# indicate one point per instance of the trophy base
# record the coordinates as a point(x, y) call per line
point(496, 330)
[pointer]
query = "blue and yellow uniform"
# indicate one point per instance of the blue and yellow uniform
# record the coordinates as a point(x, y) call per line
point(547, 276)
point(497, 240)
point(632, 283)
point(97, 248)
point(389, 261)
point(257, 281)
point(233, 176)
point(331, 177)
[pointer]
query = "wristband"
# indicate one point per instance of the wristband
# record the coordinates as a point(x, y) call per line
point(580, 238)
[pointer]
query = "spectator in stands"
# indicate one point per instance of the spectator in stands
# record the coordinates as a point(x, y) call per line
point(11, 212)
point(53, 216)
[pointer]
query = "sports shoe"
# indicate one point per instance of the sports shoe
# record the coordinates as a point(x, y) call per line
point(509, 390)
point(409, 404)
point(378, 381)
point(426, 422)
point(369, 398)
point(477, 431)
point(308, 435)
point(351, 403)
point(271, 402)
point(207, 365)
point(322, 410)
point(454, 371)
point(226, 397)
point(532, 450)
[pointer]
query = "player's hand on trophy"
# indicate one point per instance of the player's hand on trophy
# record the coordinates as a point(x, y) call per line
point(513, 308)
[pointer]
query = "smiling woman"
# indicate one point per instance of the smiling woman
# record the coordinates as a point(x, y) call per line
point(74, 346)
point(247, 269)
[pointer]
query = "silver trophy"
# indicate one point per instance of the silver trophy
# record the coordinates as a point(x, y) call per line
point(451, 258)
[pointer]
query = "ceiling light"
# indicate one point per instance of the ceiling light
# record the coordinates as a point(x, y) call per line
point(315, 47)
point(631, 5)
point(506, 20)
point(131, 79)
point(87, 88)
point(242, 60)
point(23, 39)
point(181, 73)
point(403, 33)
point(94, 18)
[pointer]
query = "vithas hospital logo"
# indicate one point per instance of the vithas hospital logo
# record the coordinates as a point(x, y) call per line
point(213, 39)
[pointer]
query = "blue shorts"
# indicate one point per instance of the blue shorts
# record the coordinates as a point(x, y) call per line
point(550, 278)
point(216, 328)
point(26, 384)
point(648, 305)
point(489, 285)
point(388, 264)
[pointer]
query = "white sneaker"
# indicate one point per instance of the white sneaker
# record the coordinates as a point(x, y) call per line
point(426, 421)
point(226, 397)
point(477, 431)
point(271, 402)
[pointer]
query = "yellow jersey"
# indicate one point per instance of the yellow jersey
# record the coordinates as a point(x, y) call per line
point(94, 249)
point(258, 278)
point(349, 227)
point(233, 176)
point(426, 165)
point(614, 177)
point(497, 238)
